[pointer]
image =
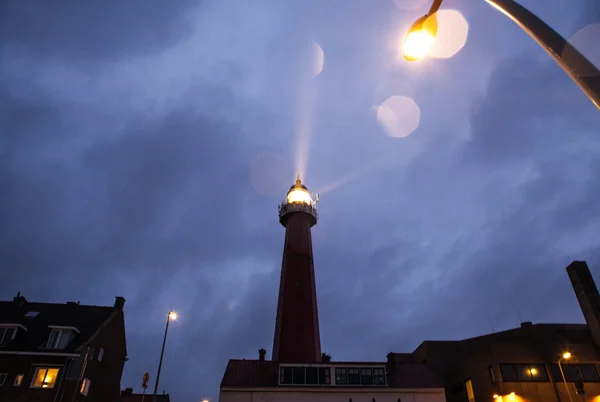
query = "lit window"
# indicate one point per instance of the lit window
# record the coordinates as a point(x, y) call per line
point(44, 377)
point(2, 379)
point(18, 380)
point(7, 334)
point(59, 338)
point(85, 386)
point(470, 393)
point(523, 372)
point(100, 354)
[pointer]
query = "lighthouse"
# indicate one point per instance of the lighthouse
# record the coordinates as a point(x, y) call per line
point(297, 338)
point(297, 370)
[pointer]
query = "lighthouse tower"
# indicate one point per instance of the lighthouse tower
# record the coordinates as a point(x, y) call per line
point(297, 338)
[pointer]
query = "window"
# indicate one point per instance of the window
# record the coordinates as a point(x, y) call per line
point(44, 377)
point(2, 378)
point(341, 376)
point(353, 376)
point(299, 375)
point(7, 334)
point(469, 387)
point(59, 338)
point(324, 375)
point(85, 386)
point(366, 376)
point(360, 376)
point(509, 372)
point(32, 314)
point(379, 376)
point(523, 372)
point(492, 374)
point(303, 375)
point(312, 375)
point(100, 354)
point(585, 372)
point(18, 380)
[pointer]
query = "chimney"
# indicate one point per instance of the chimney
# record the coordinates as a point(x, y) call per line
point(19, 300)
point(119, 302)
point(526, 324)
point(261, 354)
point(325, 358)
point(587, 295)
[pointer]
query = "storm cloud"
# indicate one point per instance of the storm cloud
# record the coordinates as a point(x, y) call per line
point(129, 141)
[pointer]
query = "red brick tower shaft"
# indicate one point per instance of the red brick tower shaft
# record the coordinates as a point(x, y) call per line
point(297, 338)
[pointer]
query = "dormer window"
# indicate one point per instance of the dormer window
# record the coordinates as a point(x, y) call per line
point(60, 337)
point(7, 334)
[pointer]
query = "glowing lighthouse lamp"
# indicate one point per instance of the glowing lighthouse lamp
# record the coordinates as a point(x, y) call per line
point(298, 200)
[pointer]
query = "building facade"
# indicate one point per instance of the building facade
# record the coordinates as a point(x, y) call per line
point(52, 352)
point(298, 370)
point(533, 363)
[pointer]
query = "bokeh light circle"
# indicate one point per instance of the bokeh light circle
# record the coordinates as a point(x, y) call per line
point(399, 116)
point(452, 33)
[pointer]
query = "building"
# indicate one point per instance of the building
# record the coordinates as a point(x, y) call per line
point(61, 352)
point(127, 395)
point(522, 364)
point(298, 369)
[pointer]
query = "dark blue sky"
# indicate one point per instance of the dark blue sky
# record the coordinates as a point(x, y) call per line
point(144, 149)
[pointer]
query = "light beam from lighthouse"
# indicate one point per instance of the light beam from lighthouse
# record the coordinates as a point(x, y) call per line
point(297, 338)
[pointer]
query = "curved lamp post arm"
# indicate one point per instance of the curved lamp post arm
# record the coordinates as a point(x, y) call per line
point(575, 64)
point(435, 6)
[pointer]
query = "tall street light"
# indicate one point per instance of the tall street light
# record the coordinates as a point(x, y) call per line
point(565, 356)
point(171, 316)
point(422, 33)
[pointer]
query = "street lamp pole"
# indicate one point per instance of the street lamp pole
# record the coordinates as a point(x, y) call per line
point(565, 356)
point(173, 315)
point(585, 74)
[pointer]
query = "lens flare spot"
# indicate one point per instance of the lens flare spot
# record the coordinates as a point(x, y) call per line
point(399, 116)
point(586, 41)
point(452, 33)
point(270, 173)
point(318, 59)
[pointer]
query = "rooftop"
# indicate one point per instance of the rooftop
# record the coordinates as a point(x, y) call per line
point(264, 374)
point(35, 320)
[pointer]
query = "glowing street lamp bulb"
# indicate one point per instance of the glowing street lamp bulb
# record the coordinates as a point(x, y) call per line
point(567, 355)
point(495, 396)
point(172, 315)
point(420, 38)
point(533, 371)
point(417, 45)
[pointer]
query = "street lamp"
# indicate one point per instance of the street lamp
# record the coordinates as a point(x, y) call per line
point(171, 316)
point(565, 356)
point(420, 37)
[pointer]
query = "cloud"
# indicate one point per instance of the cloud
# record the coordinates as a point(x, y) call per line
point(127, 170)
point(92, 32)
